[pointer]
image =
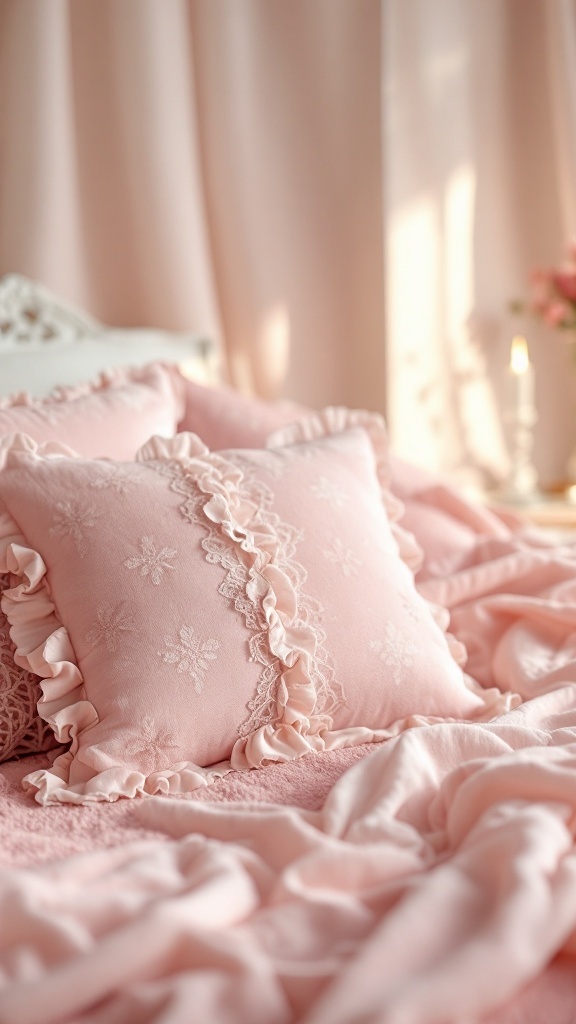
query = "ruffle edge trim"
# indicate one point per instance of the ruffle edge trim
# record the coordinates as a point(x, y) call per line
point(43, 646)
point(117, 376)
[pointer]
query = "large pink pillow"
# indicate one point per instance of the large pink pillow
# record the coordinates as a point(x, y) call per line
point(195, 611)
point(225, 418)
point(110, 417)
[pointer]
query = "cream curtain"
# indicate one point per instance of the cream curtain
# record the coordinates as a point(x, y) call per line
point(210, 164)
point(480, 171)
point(346, 193)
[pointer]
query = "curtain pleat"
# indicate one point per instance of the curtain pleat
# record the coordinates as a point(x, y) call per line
point(345, 193)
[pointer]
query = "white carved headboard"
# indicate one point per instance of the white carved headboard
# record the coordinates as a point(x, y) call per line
point(45, 342)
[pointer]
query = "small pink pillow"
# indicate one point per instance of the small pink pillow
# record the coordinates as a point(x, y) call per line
point(196, 611)
point(111, 417)
point(224, 418)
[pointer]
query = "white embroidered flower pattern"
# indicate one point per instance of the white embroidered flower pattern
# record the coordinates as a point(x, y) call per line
point(268, 461)
point(110, 628)
point(344, 557)
point(71, 520)
point(113, 479)
point(153, 744)
point(305, 450)
point(150, 562)
point(135, 397)
point(191, 654)
point(54, 412)
point(328, 491)
point(396, 651)
point(410, 607)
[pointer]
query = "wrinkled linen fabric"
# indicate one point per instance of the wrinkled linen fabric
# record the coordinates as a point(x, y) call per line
point(437, 882)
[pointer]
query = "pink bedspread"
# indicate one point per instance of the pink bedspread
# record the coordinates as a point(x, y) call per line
point(430, 880)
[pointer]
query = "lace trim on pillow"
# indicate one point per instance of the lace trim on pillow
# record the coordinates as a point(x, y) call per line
point(22, 731)
point(245, 589)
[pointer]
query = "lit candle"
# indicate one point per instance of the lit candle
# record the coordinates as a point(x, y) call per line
point(523, 375)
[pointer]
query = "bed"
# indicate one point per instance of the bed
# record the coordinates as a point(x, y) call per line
point(287, 726)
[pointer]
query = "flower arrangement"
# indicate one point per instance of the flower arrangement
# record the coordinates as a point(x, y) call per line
point(553, 294)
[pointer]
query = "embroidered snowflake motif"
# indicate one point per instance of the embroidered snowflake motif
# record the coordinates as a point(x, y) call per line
point(113, 479)
point(110, 628)
point(150, 562)
point(306, 450)
point(269, 462)
point(396, 651)
point(191, 654)
point(343, 557)
point(71, 520)
point(53, 412)
point(328, 491)
point(153, 743)
point(411, 608)
point(134, 398)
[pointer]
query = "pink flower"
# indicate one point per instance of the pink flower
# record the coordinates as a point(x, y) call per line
point(565, 282)
point(540, 276)
point(552, 295)
point(556, 313)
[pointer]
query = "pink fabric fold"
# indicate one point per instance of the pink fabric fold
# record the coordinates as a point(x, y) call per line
point(443, 859)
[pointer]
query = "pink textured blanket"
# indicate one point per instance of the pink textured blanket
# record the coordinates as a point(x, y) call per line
point(428, 880)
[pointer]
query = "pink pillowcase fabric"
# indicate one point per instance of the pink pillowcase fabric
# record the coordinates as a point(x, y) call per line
point(224, 418)
point(110, 417)
point(194, 611)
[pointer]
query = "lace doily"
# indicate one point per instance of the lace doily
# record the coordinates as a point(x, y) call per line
point(22, 731)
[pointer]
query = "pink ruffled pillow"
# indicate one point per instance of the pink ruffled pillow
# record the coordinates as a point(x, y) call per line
point(110, 417)
point(196, 611)
point(225, 418)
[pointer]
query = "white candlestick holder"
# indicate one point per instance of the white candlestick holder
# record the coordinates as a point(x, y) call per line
point(522, 484)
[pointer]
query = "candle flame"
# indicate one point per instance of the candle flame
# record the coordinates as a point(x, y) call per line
point(519, 355)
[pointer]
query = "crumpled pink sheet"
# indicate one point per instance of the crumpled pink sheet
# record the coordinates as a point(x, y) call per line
point(434, 884)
